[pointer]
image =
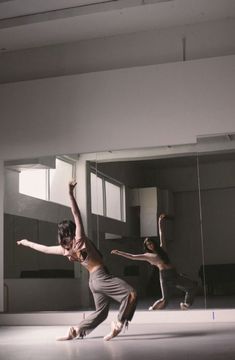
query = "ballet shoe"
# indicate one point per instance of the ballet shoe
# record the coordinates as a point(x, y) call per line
point(115, 330)
point(158, 306)
point(73, 334)
point(184, 306)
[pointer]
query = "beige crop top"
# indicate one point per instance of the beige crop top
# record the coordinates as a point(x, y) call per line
point(84, 251)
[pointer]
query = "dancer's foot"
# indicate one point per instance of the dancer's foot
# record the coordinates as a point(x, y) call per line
point(189, 298)
point(159, 305)
point(184, 306)
point(73, 333)
point(116, 328)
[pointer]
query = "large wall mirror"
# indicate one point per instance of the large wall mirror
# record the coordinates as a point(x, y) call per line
point(217, 190)
point(121, 195)
point(131, 190)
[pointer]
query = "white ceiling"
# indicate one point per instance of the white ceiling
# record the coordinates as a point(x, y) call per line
point(33, 23)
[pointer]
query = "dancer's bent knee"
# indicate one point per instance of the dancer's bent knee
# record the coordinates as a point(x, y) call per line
point(129, 308)
point(132, 297)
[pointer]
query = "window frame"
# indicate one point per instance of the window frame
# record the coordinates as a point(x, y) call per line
point(120, 185)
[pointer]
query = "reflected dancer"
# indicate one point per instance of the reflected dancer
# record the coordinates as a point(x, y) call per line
point(169, 278)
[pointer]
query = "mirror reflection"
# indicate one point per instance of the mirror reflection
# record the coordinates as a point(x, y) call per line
point(35, 201)
point(152, 187)
point(217, 188)
point(121, 196)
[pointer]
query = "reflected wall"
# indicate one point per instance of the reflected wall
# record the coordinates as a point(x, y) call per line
point(217, 189)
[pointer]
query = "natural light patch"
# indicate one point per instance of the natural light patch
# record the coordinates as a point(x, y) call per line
point(33, 183)
point(113, 201)
point(48, 184)
point(109, 236)
point(97, 204)
point(59, 179)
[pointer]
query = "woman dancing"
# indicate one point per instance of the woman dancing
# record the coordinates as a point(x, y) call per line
point(74, 244)
point(169, 278)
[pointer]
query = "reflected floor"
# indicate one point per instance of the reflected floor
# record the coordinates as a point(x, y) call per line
point(211, 302)
point(219, 309)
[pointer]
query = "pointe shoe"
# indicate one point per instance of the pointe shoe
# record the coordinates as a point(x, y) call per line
point(184, 306)
point(158, 306)
point(73, 333)
point(115, 330)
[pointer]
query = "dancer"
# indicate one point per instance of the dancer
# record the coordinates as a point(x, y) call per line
point(169, 278)
point(74, 244)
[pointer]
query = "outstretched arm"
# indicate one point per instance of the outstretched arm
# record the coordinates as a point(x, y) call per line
point(161, 225)
point(76, 212)
point(130, 256)
point(52, 250)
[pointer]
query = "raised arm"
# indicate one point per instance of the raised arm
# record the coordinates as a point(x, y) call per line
point(52, 250)
point(130, 256)
point(161, 226)
point(76, 212)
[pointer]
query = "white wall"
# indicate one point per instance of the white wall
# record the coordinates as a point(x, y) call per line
point(159, 105)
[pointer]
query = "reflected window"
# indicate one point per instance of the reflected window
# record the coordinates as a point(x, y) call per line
point(113, 203)
point(107, 197)
point(33, 183)
point(58, 180)
point(97, 203)
point(48, 184)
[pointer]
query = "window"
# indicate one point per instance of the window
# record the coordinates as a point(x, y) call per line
point(113, 200)
point(58, 181)
point(48, 184)
point(107, 197)
point(33, 183)
point(97, 203)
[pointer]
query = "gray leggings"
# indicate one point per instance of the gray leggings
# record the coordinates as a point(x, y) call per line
point(170, 279)
point(103, 287)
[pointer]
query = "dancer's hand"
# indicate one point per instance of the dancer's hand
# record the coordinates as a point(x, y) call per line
point(23, 242)
point(72, 185)
point(115, 252)
point(162, 216)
